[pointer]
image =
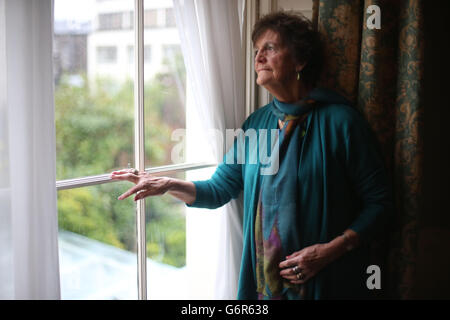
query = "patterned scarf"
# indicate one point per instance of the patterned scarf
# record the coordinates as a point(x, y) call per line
point(276, 229)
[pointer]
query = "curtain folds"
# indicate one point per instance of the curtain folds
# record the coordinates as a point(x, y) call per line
point(381, 72)
point(29, 267)
point(214, 58)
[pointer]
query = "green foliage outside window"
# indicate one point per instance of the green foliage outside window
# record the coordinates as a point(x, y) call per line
point(94, 131)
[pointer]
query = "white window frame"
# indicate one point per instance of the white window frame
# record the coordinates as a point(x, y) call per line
point(255, 96)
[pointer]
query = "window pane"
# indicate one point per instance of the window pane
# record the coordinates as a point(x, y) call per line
point(170, 18)
point(147, 54)
point(110, 21)
point(94, 94)
point(106, 54)
point(130, 50)
point(165, 90)
point(150, 18)
point(97, 243)
point(166, 247)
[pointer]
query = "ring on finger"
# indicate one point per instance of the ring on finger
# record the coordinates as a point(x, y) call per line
point(297, 269)
point(300, 276)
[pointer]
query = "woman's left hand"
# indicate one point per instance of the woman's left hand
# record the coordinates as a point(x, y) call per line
point(302, 265)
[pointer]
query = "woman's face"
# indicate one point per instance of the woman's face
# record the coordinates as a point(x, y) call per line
point(273, 63)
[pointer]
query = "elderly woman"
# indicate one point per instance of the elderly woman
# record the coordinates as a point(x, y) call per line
point(308, 225)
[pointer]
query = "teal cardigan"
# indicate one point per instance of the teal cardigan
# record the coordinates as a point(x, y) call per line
point(343, 184)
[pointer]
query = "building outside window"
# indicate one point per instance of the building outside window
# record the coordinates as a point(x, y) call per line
point(106, 54)
point(170, 18)
point(151, 18)
point(110, 21)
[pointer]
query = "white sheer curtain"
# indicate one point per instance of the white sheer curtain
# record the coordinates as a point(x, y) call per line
point(28, 216)
point(211, 40)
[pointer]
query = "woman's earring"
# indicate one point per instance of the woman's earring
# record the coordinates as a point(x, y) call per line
point(298, 75)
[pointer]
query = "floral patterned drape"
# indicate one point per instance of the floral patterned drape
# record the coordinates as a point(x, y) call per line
point(381, 71)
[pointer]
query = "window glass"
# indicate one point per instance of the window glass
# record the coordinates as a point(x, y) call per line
point(166, 247)
point(128, 20)
point(94, 113)
point(147, 54)
point(94, 95)
point(150, 18)
point(130, 50)
point(110, 21)
point(170, 18)
point(107, 54)
point(165, 115)
point(165, 91)
point(97, 243)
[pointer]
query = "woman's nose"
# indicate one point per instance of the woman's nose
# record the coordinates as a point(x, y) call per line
point(260, 57)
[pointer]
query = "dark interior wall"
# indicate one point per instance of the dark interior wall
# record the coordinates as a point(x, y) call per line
point(433, 270)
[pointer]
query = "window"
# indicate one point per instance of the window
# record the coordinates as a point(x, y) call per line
point(106, 54)
point(130, 53)
point(110, 21)
point(95, 132)
point(170, 18)
point(97, 244)
point(147, 54)
point(128, 20)
point(170, 50)
point(151, 18)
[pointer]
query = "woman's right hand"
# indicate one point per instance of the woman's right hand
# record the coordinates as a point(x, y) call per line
point(145, 184)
